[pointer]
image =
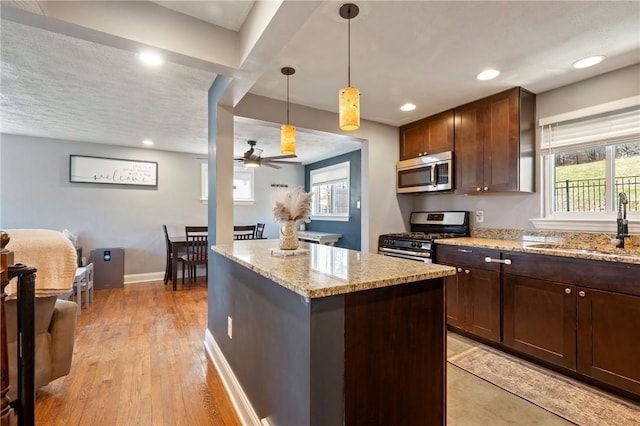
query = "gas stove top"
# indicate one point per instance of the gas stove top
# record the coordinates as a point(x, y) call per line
point(425, 228)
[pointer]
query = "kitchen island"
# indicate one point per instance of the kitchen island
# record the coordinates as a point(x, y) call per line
point(329, 336)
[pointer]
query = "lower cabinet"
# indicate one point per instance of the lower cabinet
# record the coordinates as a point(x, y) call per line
point(473, 294)
point(539, 319)
point(609, 337)
point(551, 315)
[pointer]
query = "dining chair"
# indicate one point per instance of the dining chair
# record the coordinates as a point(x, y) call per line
point(259, 230)
point(244, 232)
point(168, 269)
point(197, 250)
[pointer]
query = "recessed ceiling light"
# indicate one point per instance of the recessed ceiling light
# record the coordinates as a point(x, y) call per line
point(150, 58)
point(408, 107)
point(148, 142)
point(488, 74)
point(588, 62)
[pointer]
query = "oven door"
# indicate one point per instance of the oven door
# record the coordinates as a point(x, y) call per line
point(425, 174)
point(406, 254)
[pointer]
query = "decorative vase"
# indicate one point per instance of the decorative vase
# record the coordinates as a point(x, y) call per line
point(288, 236)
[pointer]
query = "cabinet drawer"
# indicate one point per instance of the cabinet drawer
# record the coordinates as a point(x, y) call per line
point(465, 256)
point(612, 276)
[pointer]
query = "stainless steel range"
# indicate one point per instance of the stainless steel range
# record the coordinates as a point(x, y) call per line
point(425, 228)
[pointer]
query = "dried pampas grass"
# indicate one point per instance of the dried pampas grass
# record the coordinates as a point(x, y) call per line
point(296, 205)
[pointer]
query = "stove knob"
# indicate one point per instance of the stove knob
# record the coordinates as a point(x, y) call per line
point(419, 245)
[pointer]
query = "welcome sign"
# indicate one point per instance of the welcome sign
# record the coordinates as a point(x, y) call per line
point(112, 171)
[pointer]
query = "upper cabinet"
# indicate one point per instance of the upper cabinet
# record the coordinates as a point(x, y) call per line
point(428, 136)
point(494, 143)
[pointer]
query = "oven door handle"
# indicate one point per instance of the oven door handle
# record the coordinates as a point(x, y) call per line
point(405, 256)
point(405, 252)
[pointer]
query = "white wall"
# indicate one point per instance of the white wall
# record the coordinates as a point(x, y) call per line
point(382, 210)
point(266, 196)
point(36, 193)
point(513, 211)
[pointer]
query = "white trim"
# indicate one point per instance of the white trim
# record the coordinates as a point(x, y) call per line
point(331, 218)
point(143, 278)
point(592, 110)
point(239, 399)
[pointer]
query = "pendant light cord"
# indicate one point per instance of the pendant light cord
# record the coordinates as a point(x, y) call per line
point(287, 99)
point(349, 50)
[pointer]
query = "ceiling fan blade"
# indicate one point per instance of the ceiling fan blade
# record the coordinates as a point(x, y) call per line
point(273, 166)
point(278, 157)
point(282, 161)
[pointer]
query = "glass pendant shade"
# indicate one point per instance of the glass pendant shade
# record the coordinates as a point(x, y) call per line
point(349, 108)
point(287, 139)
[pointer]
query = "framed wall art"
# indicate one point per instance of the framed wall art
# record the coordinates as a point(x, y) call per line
point(83, 169)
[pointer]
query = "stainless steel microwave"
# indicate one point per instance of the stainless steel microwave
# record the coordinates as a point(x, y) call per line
point(425, 174)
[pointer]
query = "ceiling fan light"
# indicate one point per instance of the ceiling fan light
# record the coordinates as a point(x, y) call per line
point(287, 139)
point(349, 104)
point(251, 163)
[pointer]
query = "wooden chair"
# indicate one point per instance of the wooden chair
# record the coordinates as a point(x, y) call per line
point(259, 231)
point(168, 269)
point(197, 251)
point(244, 232)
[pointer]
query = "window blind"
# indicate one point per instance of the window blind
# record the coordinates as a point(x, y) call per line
point(597, 130)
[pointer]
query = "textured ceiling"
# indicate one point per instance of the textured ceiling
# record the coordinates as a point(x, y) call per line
point(425, 52)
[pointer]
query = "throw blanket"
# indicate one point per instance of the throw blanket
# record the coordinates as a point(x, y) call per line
point(51, 253)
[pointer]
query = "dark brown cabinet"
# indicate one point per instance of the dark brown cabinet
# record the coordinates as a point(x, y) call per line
point(578, 314)
point(473, 294)
point(494, 143)
point(431, 135)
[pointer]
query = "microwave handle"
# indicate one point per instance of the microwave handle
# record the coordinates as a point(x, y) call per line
point(434, 175)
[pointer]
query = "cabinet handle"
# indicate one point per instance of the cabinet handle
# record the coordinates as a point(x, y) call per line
point(567, 290)
point(581, 293)
point(459, 269)
point(504, 261)
point(466, 271)
point(478, 189)
point(419, 154)
point(486, 188)
point(465, 251)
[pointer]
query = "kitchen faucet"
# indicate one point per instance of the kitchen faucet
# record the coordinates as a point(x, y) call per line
point(623, 224)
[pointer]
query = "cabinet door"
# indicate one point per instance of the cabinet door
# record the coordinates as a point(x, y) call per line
point(539, 318)
point(412, 140)
point(455, 301)
point(482, 302)
point(439, 133)
point(609, 338)
point(468, 152)
point(501, 143)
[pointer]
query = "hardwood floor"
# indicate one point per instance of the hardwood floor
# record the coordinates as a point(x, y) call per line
point(139, 359)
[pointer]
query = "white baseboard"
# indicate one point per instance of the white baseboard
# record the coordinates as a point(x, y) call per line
point(143, 278)
point(244, 409)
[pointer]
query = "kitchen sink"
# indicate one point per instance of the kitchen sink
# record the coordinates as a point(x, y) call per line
point(560, 247)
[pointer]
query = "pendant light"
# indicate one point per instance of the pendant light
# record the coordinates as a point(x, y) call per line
point(349, 97)
point(287, 131)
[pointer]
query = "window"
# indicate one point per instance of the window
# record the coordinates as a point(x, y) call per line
point(588, 160)
point(243, 184)
point(330, 188)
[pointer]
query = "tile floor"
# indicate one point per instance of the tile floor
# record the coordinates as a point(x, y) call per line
point(472, 401)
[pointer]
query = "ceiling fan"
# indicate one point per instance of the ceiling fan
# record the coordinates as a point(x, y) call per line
point(252, 158)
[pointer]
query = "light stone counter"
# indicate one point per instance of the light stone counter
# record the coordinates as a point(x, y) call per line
point(327, 271)
point(564, 249)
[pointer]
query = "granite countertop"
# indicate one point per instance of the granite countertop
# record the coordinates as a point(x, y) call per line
point(325, 270)
point(575, 249)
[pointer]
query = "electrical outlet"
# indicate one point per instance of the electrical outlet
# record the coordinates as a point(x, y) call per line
point(230, 327)
point(479, 216)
